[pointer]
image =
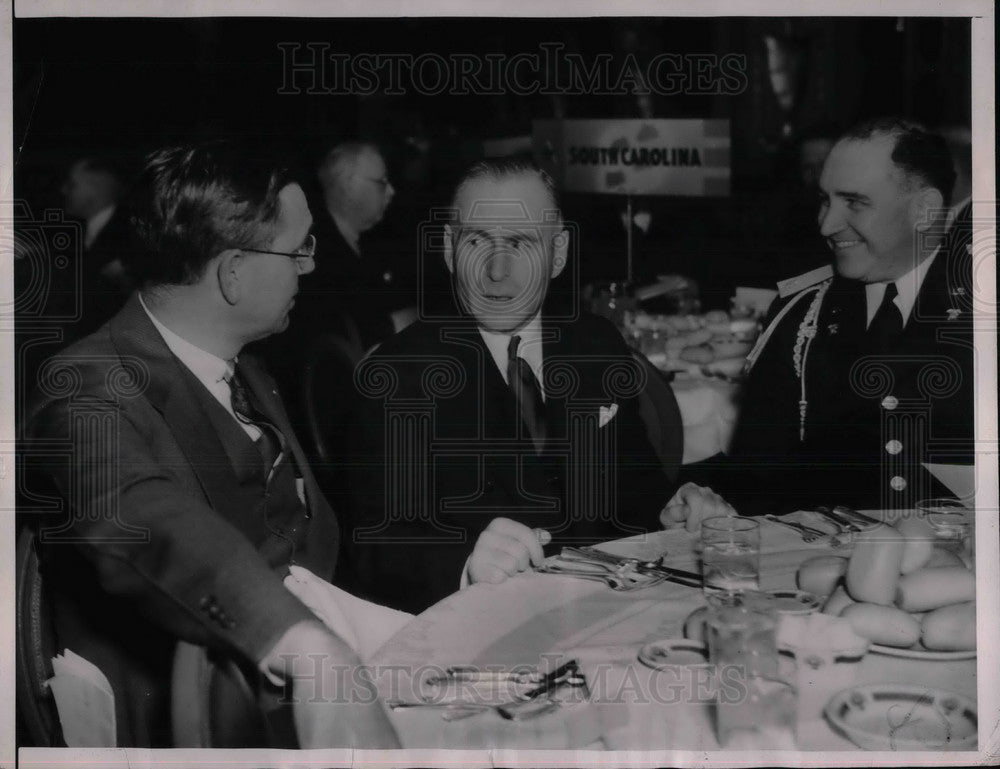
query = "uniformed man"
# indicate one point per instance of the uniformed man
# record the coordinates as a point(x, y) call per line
point(864, 371)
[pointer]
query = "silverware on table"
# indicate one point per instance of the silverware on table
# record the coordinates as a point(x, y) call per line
point(651, 568)
point(809, 534)
point(846, 524)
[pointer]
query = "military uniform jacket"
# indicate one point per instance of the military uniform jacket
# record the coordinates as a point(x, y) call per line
point(870, 417)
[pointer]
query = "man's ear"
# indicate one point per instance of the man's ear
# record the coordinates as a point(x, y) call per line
point(449, 254)
point(560, 252)
point(926, 207)
point(227, 272)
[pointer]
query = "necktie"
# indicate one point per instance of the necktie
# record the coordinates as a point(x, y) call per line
point(888, 320)
point(271, 442)
point(527, 394)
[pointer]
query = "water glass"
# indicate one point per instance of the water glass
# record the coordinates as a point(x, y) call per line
point(730, 554)
point(755, 706)
point(951, 523)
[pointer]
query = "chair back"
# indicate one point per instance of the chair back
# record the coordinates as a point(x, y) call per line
point(327, 390)
point(215, 703)
point(36, 644)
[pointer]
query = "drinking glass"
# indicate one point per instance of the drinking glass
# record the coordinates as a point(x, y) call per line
point(755, 706)
point(951, 523)
point(730, 554)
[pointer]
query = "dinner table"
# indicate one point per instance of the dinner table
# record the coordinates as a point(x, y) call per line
point(538, 620)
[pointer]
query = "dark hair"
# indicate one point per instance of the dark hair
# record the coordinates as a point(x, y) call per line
point(194, 201)
point(500, 168)
point(922, 155)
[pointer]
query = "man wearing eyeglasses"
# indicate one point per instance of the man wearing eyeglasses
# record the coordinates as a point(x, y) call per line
point(185, 494)
point(366, 283)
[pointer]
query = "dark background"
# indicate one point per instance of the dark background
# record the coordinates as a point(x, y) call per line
point(124, 86)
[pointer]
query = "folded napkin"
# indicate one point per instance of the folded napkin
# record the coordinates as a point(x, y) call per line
point(85, 702)
point(362, 625)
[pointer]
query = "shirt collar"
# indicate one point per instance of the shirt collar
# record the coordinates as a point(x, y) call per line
point(530, 347)
point(208, 368)
point(907, 286)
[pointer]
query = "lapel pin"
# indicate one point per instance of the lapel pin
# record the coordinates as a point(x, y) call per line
point(953, 313)
point(833, 328)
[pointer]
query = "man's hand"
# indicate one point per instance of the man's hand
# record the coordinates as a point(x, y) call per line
point(692, 504)
point(505, 548)
point(335, 703)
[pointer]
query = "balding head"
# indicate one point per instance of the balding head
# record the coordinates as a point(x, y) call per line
point(356, 185)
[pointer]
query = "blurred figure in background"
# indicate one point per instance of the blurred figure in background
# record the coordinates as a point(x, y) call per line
point(361, 281)
point(92, 193)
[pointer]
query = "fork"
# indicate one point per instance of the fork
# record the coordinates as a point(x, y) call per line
point(808, 533)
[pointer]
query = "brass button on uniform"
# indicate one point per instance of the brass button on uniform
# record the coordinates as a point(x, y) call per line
point(890, 402)
point(898, 483)
point(894, 447)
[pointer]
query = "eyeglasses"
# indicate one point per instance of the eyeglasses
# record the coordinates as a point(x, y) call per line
point(306, 251)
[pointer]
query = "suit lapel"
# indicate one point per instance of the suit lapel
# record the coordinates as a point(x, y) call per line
point(171, 392)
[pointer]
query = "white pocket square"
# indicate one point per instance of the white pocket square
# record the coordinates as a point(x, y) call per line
point(606, 414)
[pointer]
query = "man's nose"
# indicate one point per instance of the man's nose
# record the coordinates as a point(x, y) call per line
point(830, 219)
point(390, 192)
point(498, 265)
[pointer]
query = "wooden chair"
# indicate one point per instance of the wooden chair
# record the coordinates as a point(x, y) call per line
point(36, 644)
point(217, 703)
point(327, 389)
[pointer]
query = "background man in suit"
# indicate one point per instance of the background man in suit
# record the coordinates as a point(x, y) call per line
point(506, 425)
point(186, 494)
point(92, 193)
point(366, 282)
point(861, 377)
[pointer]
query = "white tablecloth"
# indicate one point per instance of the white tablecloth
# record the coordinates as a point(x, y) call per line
point(540, 619)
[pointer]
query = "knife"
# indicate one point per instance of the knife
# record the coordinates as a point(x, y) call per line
point(689, 578)
point(850, 512)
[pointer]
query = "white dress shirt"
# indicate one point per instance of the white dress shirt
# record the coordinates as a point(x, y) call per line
point(907, 286)
point(530, 348)
point(210, 370)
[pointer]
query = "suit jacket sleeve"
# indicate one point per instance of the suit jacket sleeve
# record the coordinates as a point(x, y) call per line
point(155, 542)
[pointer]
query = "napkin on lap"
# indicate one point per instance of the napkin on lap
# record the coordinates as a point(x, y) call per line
point(85, 702)
point(362, 625)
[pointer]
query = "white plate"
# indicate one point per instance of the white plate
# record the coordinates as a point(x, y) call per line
point(904, 717)
point(671, 652)
point(920, 653)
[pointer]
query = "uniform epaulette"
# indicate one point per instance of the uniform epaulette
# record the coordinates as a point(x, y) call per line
point(790, 286)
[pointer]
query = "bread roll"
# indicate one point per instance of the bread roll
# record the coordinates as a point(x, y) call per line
point(873, 571)
point(821, 574)
point(941, 557)
point(883, 624)
point(929, 589)
point(950, 628)
point(919, 543)
point(837, 602)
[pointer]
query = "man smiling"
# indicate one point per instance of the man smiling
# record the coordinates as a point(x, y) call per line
point(510, 426)
point(863, 375)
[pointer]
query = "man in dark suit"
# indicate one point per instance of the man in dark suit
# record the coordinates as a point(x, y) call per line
point(92, 193)
point(184, 492)
point(504, 426)
point(866, 371)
